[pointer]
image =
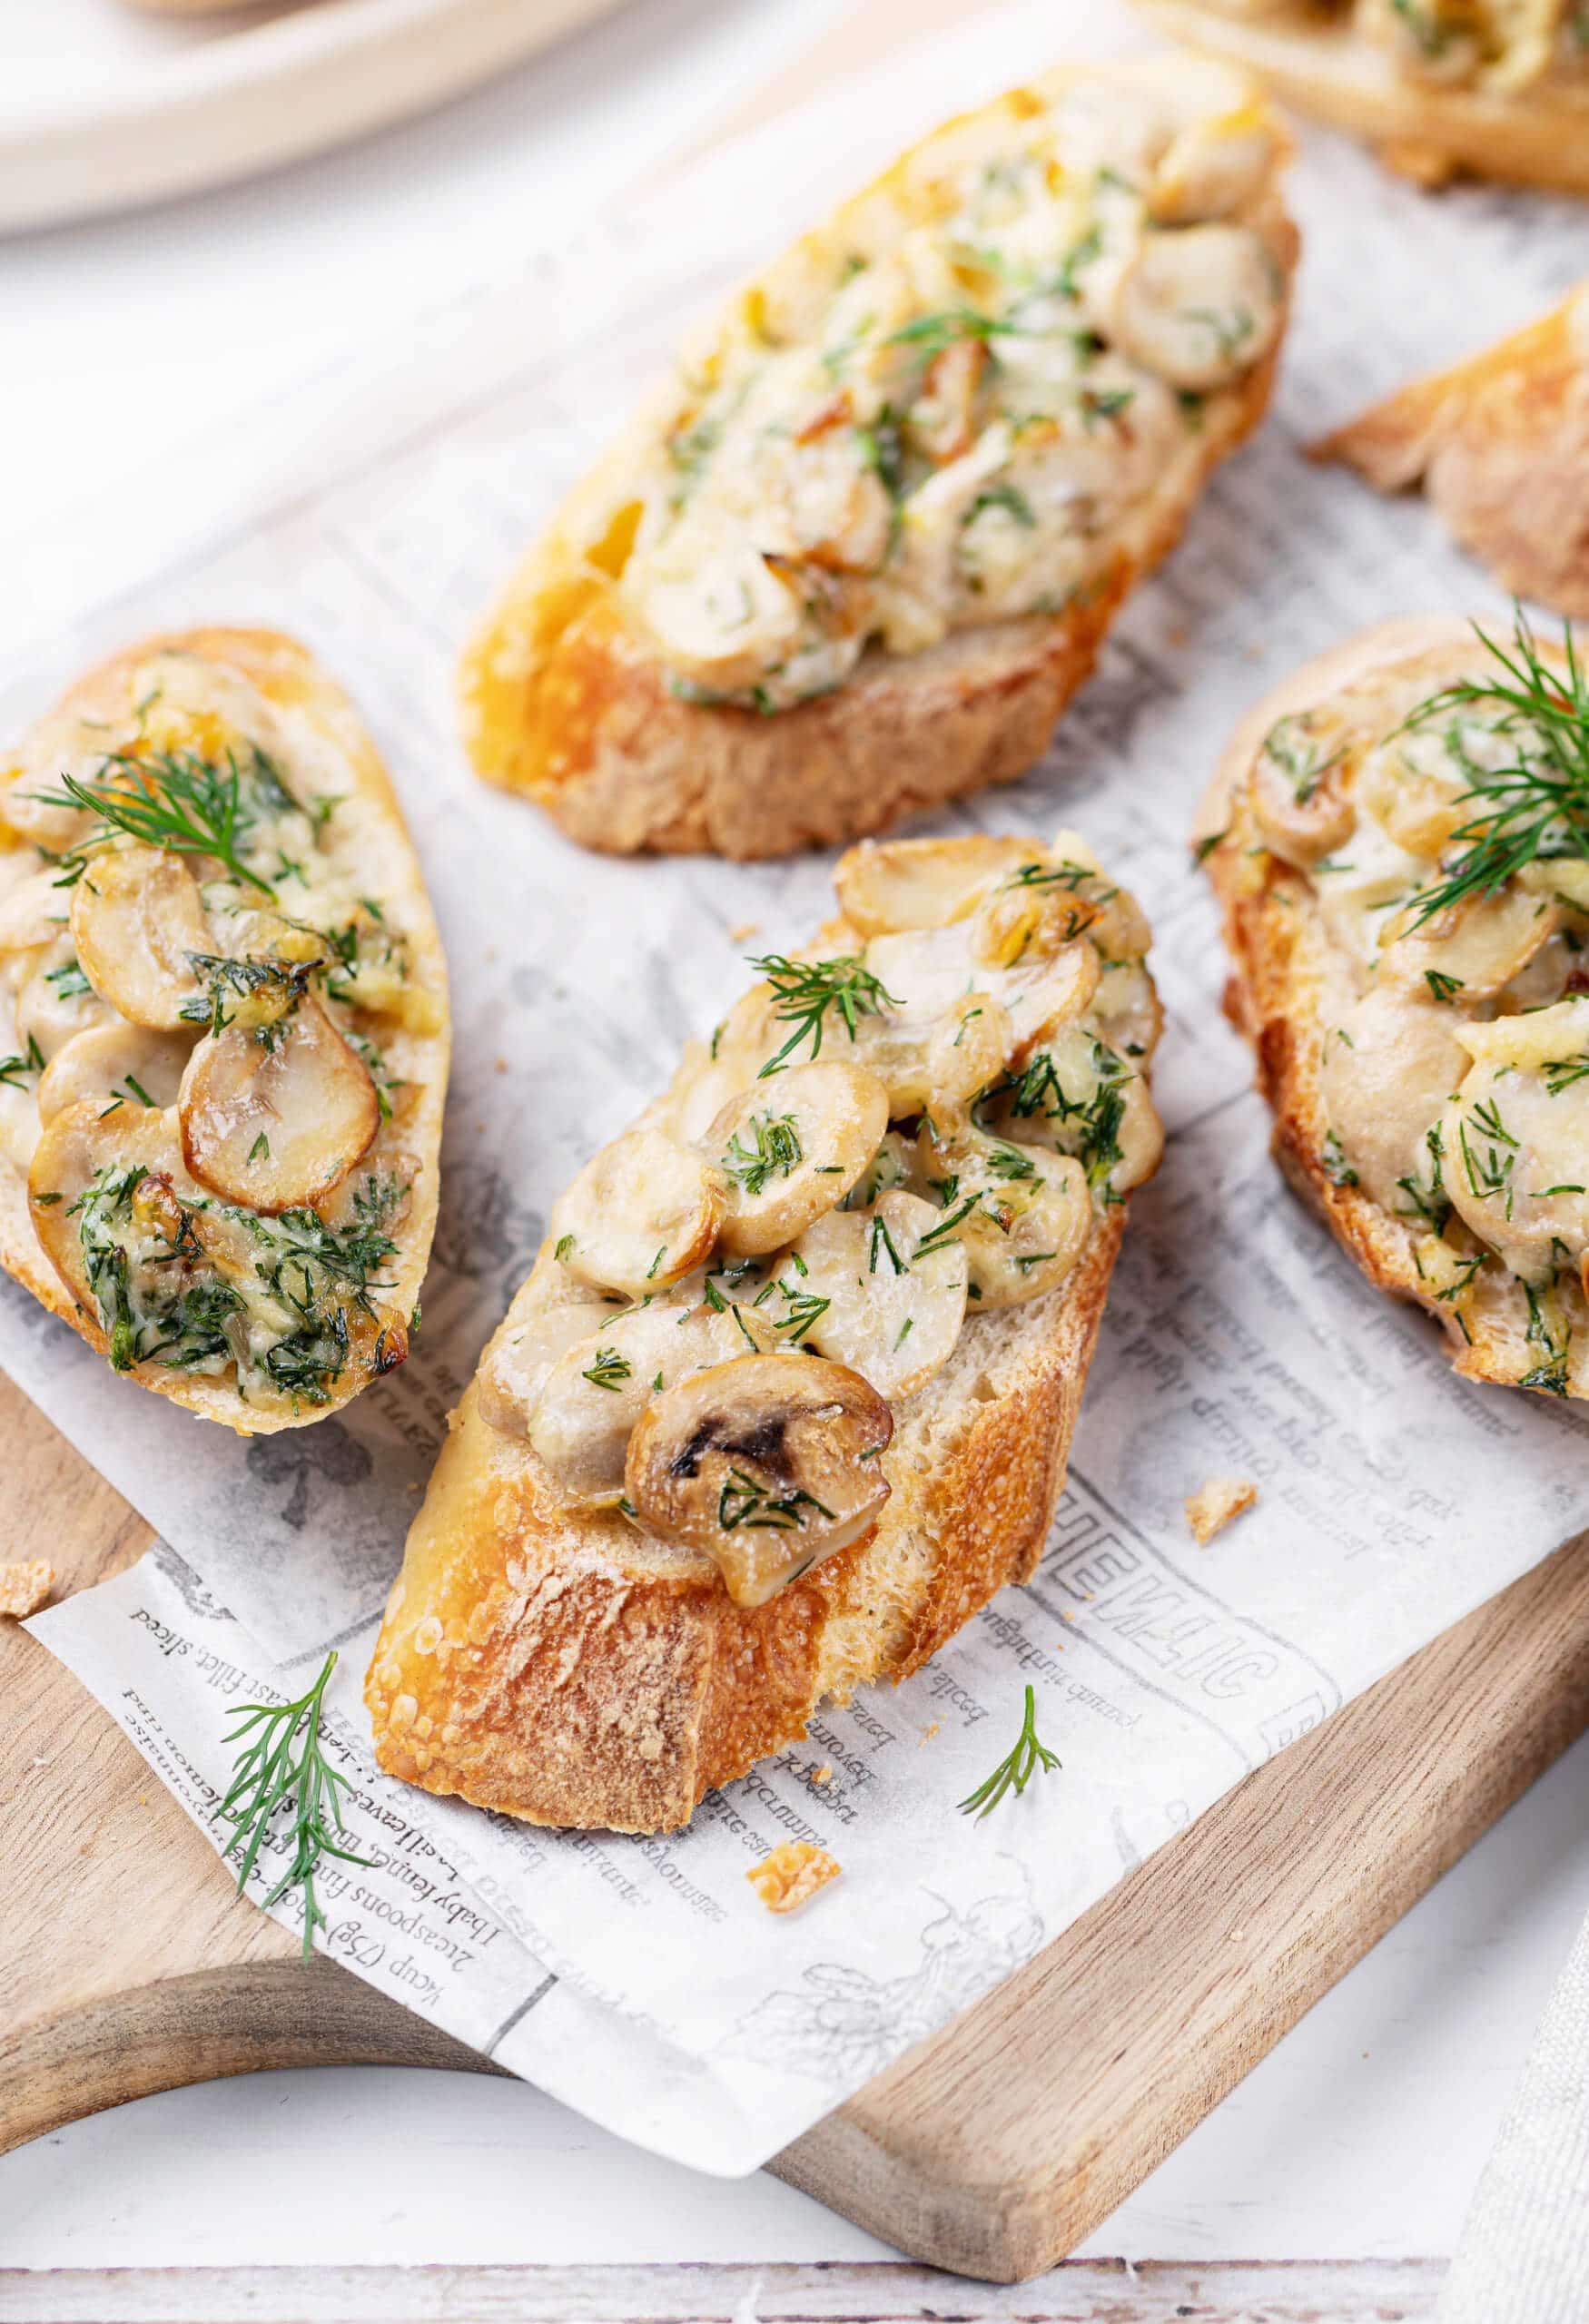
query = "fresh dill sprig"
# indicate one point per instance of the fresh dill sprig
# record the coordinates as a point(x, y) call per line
point(774, 1152)
point(174, 800)
point(808, 990)
point(1030, 1757)
point(1537, 806)
point(285, 1764)
point(610, 1370)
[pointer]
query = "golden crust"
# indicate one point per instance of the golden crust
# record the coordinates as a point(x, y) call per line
point(1538, 136)
point(574, 1673)
point(288, 675)
point(1271, 933)
point(1501, 446)
point(560, 698)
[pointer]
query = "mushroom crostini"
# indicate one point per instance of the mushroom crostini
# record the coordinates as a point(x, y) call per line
point(860, 550)
point(1399, 837)
point(789, 1393)
point(223, 1006)
point(1437, 86)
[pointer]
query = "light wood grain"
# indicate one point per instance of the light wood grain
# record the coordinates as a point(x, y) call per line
point(973, 2152)
point(1086, 2291)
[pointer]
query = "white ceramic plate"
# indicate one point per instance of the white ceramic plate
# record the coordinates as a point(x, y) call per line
point(102, 107)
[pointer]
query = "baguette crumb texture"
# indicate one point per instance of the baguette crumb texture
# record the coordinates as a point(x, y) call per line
point(25, 1587)
point(566, 694)
point(1500, 443)
point(791, 1875)
point(570, 1667)
point(1216, 1504)
point(1523, 120)
point(1375, 1070)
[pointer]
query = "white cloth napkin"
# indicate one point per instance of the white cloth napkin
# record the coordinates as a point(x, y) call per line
point(1524, 2257)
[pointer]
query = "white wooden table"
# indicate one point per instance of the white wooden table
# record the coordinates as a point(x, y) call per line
point(1331, 2185)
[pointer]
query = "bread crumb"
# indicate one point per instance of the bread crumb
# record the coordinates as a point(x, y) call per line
point(25, 1587)
point(500, 1064)
point(744, 933)
point(823, 1775)
point(1213, 1505)
point(1067, 1614)
point(928, 1733)
point(792, 1874)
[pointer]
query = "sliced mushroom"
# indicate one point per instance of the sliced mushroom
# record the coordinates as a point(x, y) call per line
point(1021, 1215)
point(1213, 166)
point(941, 421)
point(1471, 949)
point(967, 1048)
point(1297, 793)
point(136, 917)
point(641, 1214)
point(55, 1001)
point(790, 1149)
point(514, 1368)
point(34, 912)
point(594, 1392)
point(935, 980)
point(114, 1064)
point(888, 1288)
point(274, 1117)
point(906, 883)
point(1199, 305)
point(1081, 1096)
point(765, 1465)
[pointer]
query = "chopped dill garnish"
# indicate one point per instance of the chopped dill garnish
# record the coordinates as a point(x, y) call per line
point(808, 990)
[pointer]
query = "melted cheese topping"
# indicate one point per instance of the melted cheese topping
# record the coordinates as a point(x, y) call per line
point(971, 419)
point(207, 1059)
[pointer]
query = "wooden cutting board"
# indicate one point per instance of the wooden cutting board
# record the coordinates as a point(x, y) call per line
point(128, 1964)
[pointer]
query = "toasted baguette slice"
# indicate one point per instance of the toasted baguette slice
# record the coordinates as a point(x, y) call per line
point(719, 645)
point(570, 1665)
point(1526, 130)
point(1428, 1075)
point(1500, 443)
point(246, 1096)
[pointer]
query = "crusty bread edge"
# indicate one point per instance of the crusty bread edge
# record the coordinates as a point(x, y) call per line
point(641, 1691)
point(288, 673)
point(1531, 139)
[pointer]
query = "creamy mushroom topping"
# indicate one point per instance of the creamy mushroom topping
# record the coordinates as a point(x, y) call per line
point(1502, 47)
point(970, 420)
point(912, 1123)
point(206, 1011)
point(1438, 810)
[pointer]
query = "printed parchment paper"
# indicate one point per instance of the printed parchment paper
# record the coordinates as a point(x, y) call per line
point(639, 1979)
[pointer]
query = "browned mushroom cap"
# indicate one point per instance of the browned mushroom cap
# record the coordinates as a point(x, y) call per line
point(765, 1465)
point(114, 1062)
point(902, 883)
point(274, 1117)
point(791, 1148)
point(137, 917)
point(641, 1214)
